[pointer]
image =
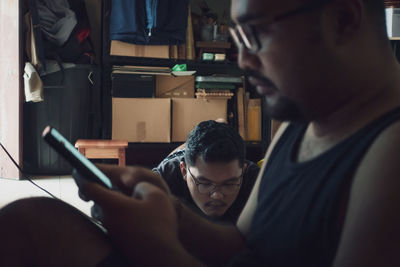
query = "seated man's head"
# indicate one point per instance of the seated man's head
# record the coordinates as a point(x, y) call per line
point(214, 166)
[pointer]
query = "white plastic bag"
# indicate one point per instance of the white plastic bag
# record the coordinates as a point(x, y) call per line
point(33, 85)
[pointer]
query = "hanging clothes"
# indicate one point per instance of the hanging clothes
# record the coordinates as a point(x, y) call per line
point(149, 22)
point(57, 20)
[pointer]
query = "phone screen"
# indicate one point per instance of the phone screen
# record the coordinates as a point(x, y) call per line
point(71, 151)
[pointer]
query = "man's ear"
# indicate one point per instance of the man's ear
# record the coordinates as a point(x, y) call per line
point(348, 16)
point(182, 165)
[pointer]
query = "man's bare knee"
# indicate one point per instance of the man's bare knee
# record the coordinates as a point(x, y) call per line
point(51, 231)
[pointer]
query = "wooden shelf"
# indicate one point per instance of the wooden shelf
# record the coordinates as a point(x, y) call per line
point(202, 67)
point(116, 60)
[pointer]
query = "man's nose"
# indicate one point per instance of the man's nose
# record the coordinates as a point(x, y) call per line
point(217, 194)
point(247, 60)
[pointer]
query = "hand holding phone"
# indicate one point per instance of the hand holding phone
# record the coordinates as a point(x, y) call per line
point(84, 166)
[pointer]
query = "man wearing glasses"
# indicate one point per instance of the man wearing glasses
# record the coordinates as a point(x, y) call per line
point(328, 193)
point(210, 174)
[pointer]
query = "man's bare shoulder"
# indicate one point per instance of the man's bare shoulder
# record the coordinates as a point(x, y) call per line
point(371, 233)
point(382, 156)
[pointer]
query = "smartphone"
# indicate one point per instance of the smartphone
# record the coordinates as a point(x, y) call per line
point(84, 166)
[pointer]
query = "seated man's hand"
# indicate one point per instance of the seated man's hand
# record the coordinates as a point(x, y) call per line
point(139, 225)
point(124, 178)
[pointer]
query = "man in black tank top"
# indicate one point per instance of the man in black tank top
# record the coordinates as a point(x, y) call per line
point(328, 193)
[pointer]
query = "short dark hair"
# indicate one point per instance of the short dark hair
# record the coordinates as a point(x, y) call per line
point(214, 142)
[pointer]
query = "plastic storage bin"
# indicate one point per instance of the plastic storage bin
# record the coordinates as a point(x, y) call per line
point(71, 105)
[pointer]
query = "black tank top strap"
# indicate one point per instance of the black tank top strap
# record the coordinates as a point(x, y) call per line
point(299, 204)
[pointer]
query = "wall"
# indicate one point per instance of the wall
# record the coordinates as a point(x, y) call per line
point(10, 90)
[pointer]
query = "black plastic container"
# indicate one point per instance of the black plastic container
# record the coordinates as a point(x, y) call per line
point(71, 105)
point(133, 85)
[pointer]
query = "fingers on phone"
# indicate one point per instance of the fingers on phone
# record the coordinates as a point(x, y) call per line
point(148, 191)
point(112, 171)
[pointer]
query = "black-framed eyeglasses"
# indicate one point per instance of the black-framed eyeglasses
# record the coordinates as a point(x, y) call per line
point(244, 35)
point(209, 187)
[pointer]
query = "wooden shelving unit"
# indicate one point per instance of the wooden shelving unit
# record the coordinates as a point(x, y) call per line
point(149, 154)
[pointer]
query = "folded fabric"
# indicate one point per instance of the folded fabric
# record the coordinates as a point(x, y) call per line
point(57, 20)
point(33, 85)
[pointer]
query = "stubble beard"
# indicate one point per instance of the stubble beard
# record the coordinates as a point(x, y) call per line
point(278, 106)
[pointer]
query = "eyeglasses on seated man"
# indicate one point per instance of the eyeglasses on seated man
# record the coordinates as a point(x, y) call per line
point(210, 173)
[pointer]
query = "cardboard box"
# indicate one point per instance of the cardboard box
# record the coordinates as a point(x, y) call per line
point(393, 21)
point(141, 119)
point(171, 86)
point(187, 113)
point(119, 48)
point(254, 120)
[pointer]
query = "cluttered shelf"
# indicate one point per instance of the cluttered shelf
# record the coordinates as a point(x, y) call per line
point(223, 67)
point(204, 43)
point(115, 60)
point(151, 106)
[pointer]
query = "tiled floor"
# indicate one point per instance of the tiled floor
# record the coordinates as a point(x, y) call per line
point(62, 187)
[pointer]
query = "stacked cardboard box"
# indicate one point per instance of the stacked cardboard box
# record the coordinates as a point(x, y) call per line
point(187, 113)
point(171, 86)
point(119, 48)
point(141, 119)
point(153, 119)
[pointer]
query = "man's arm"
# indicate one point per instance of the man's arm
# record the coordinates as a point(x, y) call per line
point(215, 244)
point(143, 227)
point(371, 233)
point(212, 243)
